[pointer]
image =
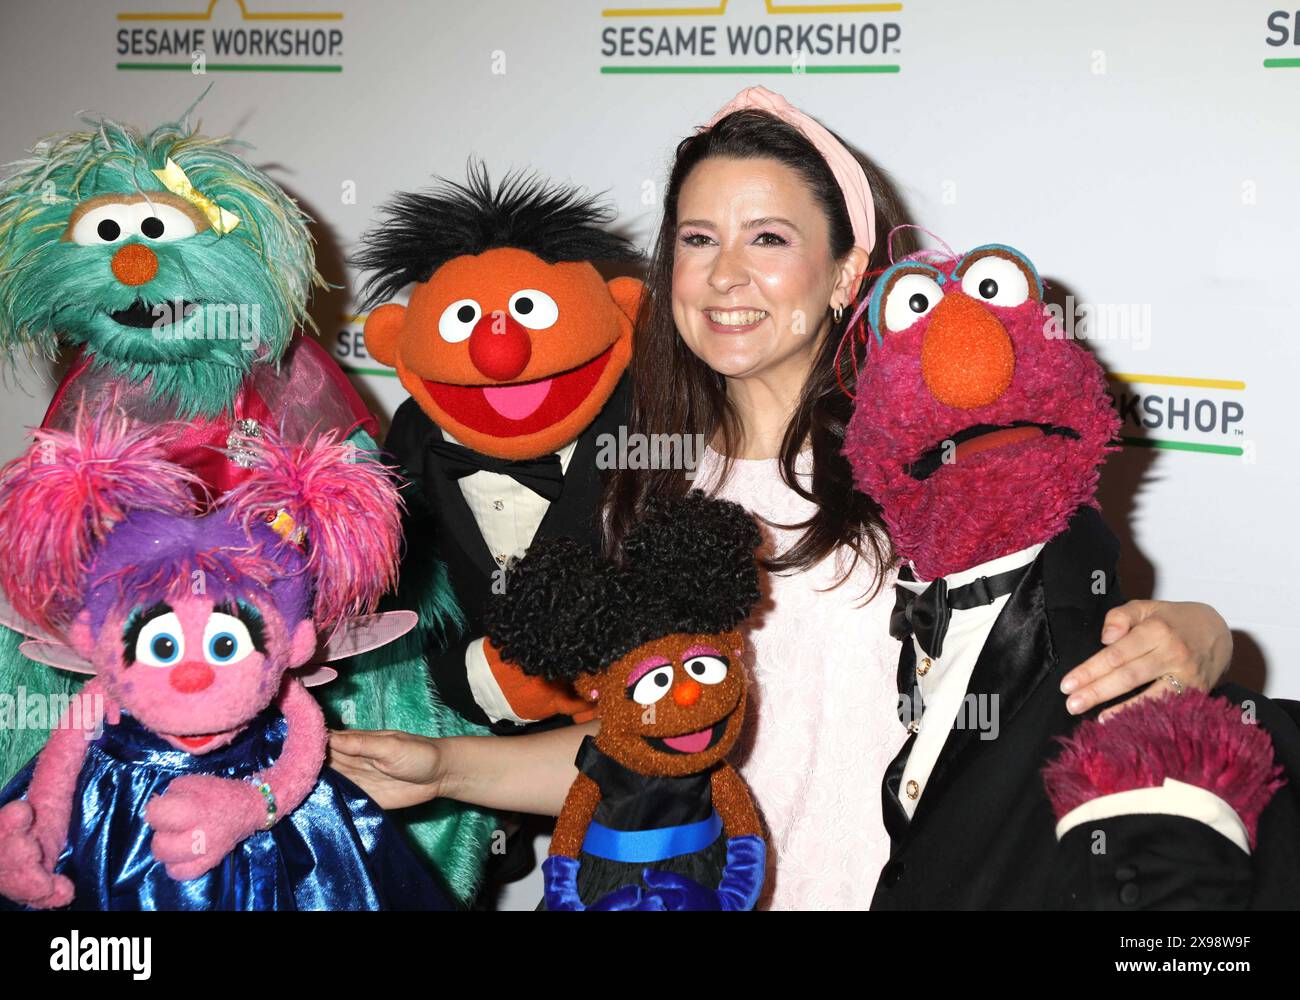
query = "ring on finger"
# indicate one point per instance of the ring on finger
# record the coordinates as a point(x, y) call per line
point(1175, 683)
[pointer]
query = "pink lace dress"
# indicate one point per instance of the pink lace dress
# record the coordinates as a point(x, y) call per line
point(822, 725)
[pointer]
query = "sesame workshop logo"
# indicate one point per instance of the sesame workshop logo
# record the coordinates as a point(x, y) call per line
point(1282, 34)
point(230, 37)
point(1175, 413)
point(752, 39)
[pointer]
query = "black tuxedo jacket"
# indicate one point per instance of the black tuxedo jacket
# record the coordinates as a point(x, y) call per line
point(440, 525)
point(983, 835)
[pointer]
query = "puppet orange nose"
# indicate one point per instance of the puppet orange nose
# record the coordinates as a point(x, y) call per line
point(499, 346)
point(687, 692)
point(191, 677)
point(135, 264)
point(966, 359)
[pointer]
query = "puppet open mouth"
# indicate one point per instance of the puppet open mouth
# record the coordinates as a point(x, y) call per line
point(981, 437)
point(197, 742)
point(512, 410)
point(696, 742)
point(146, 315)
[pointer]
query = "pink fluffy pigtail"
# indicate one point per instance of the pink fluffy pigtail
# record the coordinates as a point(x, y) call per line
point(61, 497)
point(347, 508)
point(1191, 738)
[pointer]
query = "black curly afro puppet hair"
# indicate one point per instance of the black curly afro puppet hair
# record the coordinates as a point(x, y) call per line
point(657, 819)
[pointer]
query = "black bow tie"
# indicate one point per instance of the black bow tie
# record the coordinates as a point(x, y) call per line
point(544, 475)
point(927, 614)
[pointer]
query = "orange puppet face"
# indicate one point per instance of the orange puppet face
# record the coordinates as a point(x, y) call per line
point(512, 356)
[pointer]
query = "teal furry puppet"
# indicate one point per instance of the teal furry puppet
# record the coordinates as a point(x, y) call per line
point(180, 275)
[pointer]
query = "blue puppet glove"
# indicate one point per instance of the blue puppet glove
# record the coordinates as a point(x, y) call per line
point(560, 883)
point(742, 881)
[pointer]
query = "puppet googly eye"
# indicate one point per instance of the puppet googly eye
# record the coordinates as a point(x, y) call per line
point(535, 310)
point(996, 281)
point(653, 685)
point(226, 639)
point(162, 223)
point(161, 641)
point(911, 297)
point(105, 224)
point(457, 321)
point(706, 669)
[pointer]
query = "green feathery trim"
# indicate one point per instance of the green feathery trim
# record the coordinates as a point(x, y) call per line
point(18, 743)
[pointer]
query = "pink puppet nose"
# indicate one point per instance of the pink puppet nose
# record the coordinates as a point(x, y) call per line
point(191, 677)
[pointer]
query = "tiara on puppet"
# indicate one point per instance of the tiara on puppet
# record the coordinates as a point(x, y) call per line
point(687, 566)
point(320, 517)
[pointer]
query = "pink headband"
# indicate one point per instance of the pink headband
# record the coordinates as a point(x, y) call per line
point(844, 166)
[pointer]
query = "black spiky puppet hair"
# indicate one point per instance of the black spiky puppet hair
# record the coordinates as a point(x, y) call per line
point(419, 231)
point(688, 566)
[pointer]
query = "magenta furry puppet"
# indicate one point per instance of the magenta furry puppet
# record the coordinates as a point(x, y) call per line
point(980, 430)
point(187, 774)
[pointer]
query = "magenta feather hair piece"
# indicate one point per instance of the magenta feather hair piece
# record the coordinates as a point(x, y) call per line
point(66, 492)
point(347, 508)
point(1192, 738)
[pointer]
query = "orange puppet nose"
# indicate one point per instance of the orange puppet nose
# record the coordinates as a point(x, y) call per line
point(135, 264)
point(966, 359)
point(687, 692)
point(191, 677)
point(499, 346)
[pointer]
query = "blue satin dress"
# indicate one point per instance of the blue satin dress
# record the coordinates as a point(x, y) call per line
point(336, 851)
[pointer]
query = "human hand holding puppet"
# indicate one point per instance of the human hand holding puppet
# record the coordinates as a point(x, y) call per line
point(196, 623)
point(657, 819)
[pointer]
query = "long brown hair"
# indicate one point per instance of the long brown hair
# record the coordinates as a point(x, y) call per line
point(674, 391)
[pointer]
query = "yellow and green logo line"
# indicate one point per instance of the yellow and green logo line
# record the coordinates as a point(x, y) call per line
point(244, 15)
point(770, 6)
point(1282, 63)
point(754, 70)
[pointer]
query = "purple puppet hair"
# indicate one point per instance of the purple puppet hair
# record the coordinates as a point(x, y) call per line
point(342, 503)
point(153, 556)
point(61, 498)
point(1192, 738)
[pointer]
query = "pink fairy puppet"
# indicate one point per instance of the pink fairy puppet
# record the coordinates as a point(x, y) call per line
point(204, 789)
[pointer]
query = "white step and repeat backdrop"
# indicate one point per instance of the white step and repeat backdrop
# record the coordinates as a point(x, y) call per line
point(1143, 154)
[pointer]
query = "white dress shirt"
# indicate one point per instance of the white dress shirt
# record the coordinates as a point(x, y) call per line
point(943, 681)
point(508, 515)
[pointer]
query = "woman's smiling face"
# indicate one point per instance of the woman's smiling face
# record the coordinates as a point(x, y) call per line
point(753, 274)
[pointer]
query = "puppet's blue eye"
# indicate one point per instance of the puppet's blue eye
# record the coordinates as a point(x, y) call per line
point(226, 639)
point(160, 642)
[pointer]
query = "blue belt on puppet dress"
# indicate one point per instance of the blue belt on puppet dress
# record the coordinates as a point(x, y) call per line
point(641, 847)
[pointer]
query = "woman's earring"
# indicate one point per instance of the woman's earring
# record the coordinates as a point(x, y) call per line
point(838, 313)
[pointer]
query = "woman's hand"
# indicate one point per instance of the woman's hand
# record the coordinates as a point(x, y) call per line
point(395, 769)
point(1148, 641)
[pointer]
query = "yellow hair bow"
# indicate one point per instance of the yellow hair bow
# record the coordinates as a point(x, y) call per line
point(175, 181)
